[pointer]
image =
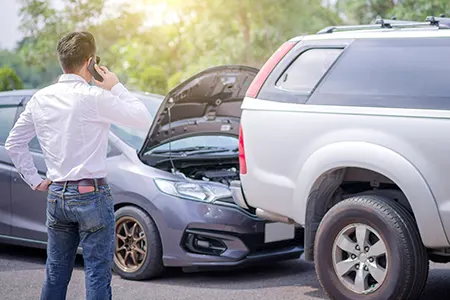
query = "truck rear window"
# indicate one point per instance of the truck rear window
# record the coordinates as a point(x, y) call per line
point(307, 70)
point(403, 73)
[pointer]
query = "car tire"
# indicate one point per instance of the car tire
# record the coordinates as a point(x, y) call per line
point(402, 270)
point(139, 267)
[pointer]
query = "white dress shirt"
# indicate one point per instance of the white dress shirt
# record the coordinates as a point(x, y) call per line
point(71, 120)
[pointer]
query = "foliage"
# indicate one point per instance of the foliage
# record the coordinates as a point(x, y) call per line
point(205, 35)
point(42, 25)
point(9, 80)
point(198, 35)
point(366, 11)
point(153, 45)
point(32, 76)
point(419, 9)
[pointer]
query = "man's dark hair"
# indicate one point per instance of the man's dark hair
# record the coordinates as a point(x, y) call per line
point(74, 49)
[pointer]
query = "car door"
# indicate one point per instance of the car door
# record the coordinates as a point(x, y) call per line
point(28, 207)
point(8, 110)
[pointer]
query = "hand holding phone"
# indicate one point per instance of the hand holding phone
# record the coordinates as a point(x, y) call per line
point(109, 78)
point(92, 69)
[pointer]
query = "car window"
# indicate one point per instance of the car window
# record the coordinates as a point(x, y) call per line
point(136, 137)
point(7, 116)
point(307, 70)
point(111, 150)
point(403, 73)
point(34, 143)
point(218, 141)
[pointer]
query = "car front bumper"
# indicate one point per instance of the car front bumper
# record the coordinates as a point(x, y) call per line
point(237, 194)
point(242, 249)
point(220, 234)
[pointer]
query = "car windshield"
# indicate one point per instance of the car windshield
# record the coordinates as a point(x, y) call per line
point(203, 144)
point(136, 137)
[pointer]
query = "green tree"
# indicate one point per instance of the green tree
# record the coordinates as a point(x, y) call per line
point(419, 9)
point(9, 80)
point(365, 11)
point(189, 36)
point(43, 26)
point(32, 76)
point(205, 35)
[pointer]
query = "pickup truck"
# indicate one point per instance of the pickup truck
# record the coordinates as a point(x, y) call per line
point(346, 133)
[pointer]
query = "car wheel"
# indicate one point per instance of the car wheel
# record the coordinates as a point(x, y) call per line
point(369, 247)
point(138, 252)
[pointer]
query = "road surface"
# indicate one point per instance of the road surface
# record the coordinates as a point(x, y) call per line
point(22, 272)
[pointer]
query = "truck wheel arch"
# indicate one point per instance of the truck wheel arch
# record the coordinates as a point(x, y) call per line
point(325, 168)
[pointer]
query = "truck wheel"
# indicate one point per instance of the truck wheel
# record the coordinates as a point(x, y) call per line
point(369, 247)
point(138, 252)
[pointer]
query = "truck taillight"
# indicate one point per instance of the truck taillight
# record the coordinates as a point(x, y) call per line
point(242, 162)
point(265, 71)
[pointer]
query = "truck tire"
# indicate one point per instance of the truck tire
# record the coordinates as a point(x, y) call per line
point(369, 247)
point(137, 234)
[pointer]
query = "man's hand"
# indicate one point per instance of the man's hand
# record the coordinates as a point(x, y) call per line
point(109, 78)
point(43, 186)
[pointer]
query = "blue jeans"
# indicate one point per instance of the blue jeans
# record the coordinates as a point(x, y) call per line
point(75, 219)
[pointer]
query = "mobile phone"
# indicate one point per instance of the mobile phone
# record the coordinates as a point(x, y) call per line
point(94, 72)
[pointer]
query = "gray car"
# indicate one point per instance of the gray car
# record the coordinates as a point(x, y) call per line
point(171, 184)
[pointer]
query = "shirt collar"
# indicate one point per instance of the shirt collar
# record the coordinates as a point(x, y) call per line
point(71, 77)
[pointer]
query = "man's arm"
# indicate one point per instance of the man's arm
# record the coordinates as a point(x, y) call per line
point(17, 147)
point(118, 106)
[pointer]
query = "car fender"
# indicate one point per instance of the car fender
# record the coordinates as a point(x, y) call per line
point(384, 161)
point(129, 197)
point(123, 198)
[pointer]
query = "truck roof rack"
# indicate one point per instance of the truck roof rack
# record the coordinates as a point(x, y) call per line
point(441, 22)
point(332, 29)
point(394, 22)
point(437, 21)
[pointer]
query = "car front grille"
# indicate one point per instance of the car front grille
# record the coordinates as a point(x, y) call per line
point(256, 245)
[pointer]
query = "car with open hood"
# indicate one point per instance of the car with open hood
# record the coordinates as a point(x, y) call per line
point(170, 183)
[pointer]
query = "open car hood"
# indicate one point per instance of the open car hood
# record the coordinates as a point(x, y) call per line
point(208, 102)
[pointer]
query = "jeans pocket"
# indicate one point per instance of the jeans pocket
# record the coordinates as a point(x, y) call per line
point(90, 214)
point(51, 204)
point(51, 211)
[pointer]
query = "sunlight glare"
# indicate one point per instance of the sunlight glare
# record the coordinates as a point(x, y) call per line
point(157, 12)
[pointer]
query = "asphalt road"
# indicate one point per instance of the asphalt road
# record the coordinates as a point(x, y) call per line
point(22, 272)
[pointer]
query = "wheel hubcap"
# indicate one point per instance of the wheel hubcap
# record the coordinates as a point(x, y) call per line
point(360, 258)
point(131, 244)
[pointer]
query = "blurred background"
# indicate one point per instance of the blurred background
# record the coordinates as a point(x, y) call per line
point(153, 44)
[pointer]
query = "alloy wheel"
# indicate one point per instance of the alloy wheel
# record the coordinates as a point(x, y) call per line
point(131, 244)
point(360, 258)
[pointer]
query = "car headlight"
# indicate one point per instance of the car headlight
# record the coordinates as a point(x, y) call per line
point(206, 192)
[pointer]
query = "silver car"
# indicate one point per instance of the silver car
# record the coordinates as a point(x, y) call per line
point(170, 183)
point(356, 122)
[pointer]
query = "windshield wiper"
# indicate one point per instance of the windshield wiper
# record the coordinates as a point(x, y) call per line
point(197, 150)
point(217, 150)
point(187, 149)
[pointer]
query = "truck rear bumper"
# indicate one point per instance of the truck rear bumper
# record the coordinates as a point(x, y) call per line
point(237, 194)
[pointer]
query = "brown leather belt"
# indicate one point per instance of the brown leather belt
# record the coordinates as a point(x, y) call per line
point(83, 182)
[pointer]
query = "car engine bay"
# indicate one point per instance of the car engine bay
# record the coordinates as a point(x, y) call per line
point(224, 176)
point(216, 169)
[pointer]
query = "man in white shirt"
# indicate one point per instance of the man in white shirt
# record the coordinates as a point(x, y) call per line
point(71, 120)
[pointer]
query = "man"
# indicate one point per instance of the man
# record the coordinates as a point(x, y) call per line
point(71, 120)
